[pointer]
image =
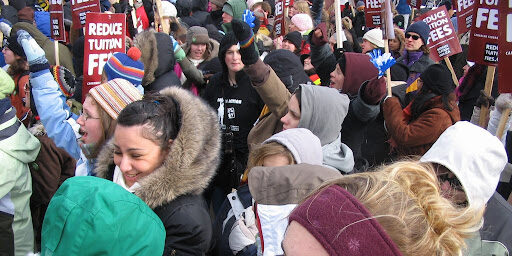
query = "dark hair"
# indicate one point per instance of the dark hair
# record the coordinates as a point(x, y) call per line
point(298, 95)
point(419, 104)
point(159, 113)
point(19, 67)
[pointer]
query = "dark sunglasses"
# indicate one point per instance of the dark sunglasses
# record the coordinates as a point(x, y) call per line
point(415, 37)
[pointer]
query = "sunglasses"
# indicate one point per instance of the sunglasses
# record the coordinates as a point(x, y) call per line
point(415, 37)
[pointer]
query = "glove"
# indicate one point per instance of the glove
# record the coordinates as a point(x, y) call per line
point(374, 91)
point(347, 23)
point(319, 35)
point(245, 37)
point(249, 18)
point(35, 54)
point(244, 231)
point(484, 100)
point(381, 61)
point(179, 53)
point(504, 101)
point(5, 27)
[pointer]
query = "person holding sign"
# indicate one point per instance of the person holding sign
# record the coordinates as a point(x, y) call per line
point(81, 137)
point(416, 55)
point(413, 130)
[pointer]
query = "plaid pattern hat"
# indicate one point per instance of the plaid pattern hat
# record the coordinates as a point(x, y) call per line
point(64, 79)
point(114, 95)
point(126, 66)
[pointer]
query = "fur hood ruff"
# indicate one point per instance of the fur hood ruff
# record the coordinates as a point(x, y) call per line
point(192, 160)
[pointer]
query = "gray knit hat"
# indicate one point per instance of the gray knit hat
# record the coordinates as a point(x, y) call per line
point(197, 35)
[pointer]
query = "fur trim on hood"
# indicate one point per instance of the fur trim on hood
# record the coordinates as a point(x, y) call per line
point(146, 42)
point(192, 160)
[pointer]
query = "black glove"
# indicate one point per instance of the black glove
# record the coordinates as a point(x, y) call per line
point(484, 100)
point(245, 37)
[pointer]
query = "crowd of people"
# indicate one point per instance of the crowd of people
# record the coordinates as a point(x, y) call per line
point(222, 138)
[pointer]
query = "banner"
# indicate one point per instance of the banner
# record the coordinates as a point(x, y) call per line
point(58, 32)
point(442, 40)
point(79, 8)
point(372, 13)
point(279, 24)
point(505, 46)
point(386, 16)
point(464, 10)
point(483, 48)
point(104, 35)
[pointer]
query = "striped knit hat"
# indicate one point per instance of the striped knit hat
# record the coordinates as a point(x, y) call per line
point(126, 66)
point(114, 95)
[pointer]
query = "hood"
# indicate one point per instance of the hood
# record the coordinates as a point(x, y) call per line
point(15, 140)
point(40, 38)
point(358, 69)
point(192, 160)
point(479, 168)
point(157, 54)
point(227, 41)
point(212, 49)
point(323, 111)
point(339, 156)
point(302, 143)
point(288, 68)
point(238, 7)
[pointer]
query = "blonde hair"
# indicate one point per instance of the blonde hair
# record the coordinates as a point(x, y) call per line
point(108, 126)
point(302, 7)
point(406, 200)
point(260, 152)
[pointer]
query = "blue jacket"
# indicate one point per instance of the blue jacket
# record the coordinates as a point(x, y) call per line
point(57, 118)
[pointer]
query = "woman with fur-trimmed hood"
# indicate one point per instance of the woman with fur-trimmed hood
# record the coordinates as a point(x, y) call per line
point(158, 58)
point(165, 150)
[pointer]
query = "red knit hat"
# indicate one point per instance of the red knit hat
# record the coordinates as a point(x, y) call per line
point(342, 225)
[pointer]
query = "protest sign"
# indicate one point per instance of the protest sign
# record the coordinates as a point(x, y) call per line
point(388, 32)
point(279, 29)
point(505, 47)
point(79, 8)
point(104, 35)
point(372, 12)
point(57, 21)
point(442, 41)
point(483, 48)
point(464, 10)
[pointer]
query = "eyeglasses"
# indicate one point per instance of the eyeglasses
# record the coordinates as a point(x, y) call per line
point(86, 116)
point(415, 37)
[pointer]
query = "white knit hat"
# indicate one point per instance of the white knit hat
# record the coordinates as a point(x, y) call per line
point(374, 36)
point(302, 143)
point(474, 155)
point(168, 9)
point(302, 21)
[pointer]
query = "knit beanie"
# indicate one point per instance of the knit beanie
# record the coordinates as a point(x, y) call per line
point(438, 79)
point(168, 9)
point(302, 143)
point(6, 84)
point(302, 21)
point(114, 95)
point(295, 38)
point(421, 28)
point(197, 35)
point(227, 41)
point(340, 223)
point(64, 79)
point(374, 36)
point(288, 68)
point(218, 3)
point(399, 21)
point(126, 66)
point(26, 14)
point(14, 46)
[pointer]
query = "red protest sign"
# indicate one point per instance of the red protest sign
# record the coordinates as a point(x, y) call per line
point(372, 13)
point(104, 35)
point(483, 47)
point(464, 10)
point(442, 40)
point(388, 31)
point(79, 8)
point(279, 19)
point(288, 3)
point(57, 21)
point(505, 47)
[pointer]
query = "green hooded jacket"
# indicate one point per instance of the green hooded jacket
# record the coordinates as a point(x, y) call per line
point(238, 7)
point(18, 147)
point(94, 216)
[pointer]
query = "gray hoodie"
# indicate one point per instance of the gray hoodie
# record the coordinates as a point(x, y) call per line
point(322, 112)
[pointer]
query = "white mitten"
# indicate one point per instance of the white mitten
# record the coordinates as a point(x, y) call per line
point(243, 232)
